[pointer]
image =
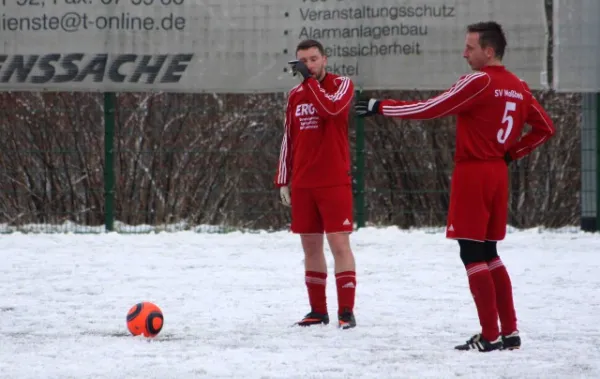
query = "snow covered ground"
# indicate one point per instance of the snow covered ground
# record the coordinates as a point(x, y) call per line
point(229, 300)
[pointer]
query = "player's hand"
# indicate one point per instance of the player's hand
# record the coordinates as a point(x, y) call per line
point(284, 194)
point(299, 68)
point(366, 107)
point(507, 158)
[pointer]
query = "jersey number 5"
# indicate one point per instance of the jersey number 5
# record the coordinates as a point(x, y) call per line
point(508, 120)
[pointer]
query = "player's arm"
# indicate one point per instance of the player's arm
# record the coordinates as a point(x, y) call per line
point(542, 128)
point(283, 173)
point(458, 98)
point(330, 104)
point(327, 104)
point(284, 166)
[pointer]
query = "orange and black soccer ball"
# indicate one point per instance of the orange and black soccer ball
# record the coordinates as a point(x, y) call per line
point(145, 319)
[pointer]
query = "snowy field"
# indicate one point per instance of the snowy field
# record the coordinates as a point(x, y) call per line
point(229, 300)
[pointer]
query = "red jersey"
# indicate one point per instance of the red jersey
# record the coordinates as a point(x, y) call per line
point(492, 106)
point(315, 149)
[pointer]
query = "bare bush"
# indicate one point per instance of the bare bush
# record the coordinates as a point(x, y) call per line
point(210, 159)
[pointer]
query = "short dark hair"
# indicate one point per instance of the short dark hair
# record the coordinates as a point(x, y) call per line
point(310, 43)
point(490, 34)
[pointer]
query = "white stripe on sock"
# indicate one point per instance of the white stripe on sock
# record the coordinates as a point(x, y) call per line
point(495, 264)
point(477, 268)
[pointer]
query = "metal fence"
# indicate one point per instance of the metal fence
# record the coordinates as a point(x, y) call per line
point(140, 162)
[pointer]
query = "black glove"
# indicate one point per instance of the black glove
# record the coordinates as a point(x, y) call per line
point(366, 107)
point(298, 67)
point(507, 158)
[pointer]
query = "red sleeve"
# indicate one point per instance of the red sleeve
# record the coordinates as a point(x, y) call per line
point(330, 105)
point(542, 129)
point(460, 97)
point(284, 167)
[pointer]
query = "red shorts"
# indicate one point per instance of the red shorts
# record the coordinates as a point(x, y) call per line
point(478, 201)
point(322, 210)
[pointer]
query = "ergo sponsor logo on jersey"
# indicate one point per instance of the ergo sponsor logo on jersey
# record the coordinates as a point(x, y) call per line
point(307, 115)
point(305, 110)
point(100, 68)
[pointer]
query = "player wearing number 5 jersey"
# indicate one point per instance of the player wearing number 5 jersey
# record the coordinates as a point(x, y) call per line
point(491, 106)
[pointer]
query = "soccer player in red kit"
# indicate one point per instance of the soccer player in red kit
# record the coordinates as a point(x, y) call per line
point(313, 175)
point(491, 106)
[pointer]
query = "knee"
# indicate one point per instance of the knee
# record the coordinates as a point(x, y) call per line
point(312, 252)
point(471, 252)
point(341, 251)
point(312, 245)
point(339, 243)
point(490, 251)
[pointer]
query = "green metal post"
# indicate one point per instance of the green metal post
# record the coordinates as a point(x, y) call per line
point(109, 169)
point(360, 211)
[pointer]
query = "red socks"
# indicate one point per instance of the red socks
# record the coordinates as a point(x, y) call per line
point(346, 289)
point(504, 296)
point(315, 284)
point(484, 294)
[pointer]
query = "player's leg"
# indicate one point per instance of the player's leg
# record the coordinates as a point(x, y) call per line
point(467, 222)
point(502, 283)
point(335, 205)
point(306, 221)
point(504, 297)
point(483, 292)
point(345, 277)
